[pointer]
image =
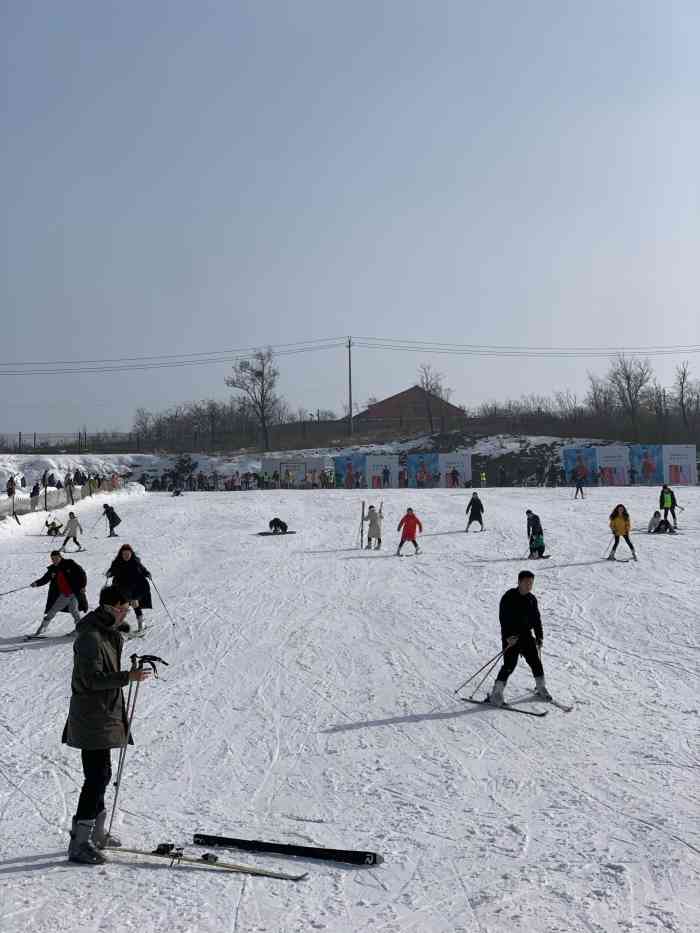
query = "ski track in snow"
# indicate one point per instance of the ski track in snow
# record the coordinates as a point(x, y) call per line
point(310, 698)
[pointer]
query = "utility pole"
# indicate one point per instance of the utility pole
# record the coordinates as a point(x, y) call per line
point(350, 386)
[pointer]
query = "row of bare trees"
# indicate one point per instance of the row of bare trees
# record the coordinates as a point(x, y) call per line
point(628, 402)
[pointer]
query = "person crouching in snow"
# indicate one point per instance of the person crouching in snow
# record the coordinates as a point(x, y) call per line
point(535, 534)
point(408, 526)
point(374, 530)
point(521, 634)
point(277, 526)
point(620, 525)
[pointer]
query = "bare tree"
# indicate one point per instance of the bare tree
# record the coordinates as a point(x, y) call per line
point(630, 379)
point(257, 380)
point(433, 385)
point(683, 390)
point(600, 398)
point(660, 405)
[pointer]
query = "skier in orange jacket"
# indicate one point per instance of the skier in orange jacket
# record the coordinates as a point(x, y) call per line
point(408, 526)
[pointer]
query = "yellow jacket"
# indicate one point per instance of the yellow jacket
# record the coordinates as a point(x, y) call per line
point(619, 525)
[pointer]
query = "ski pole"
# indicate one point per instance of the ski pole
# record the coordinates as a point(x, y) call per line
point(7, 592)
point(167, 611)
point(137, 664)
point(487, 674)
point(492, 661)
point(609, 546)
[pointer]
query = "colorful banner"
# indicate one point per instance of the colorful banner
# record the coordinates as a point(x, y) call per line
point(382, 471)
point(455, 469)
point(350, 471)
point(580, 464)
point(613, 465)
point(680, 464)
point(423, 470)
point(646, 464)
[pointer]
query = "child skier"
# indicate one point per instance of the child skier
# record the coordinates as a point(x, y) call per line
point(519, 616)
point(73, 526)
point(475, 510)
point(408, 526)
point(535, 534)
point(374, 530)
point(620, 525)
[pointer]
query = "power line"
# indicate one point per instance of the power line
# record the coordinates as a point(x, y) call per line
point(494, 350)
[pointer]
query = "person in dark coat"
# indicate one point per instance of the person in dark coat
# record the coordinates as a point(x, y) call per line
point(277, 526)
point(475, 511)
point(131, 577)
point(97, 719)
point(521, 634)
point(67, 581)
point(112, 520)
point(535, 534)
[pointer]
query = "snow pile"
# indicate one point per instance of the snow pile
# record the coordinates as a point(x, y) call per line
point(310, 698)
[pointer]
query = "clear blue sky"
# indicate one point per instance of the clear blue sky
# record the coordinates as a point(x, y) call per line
point(182, 176)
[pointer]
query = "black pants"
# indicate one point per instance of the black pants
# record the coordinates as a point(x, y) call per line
point(579, 489)
point(471, 522)
point(673, 515)
point(97, 768)
point(528, 649)
point(617, 541)
point(406, 540)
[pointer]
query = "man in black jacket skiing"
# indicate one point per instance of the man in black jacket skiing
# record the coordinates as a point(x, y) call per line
point(475, 511)
point(521, 634)
point(97, 719)
point(67, 581)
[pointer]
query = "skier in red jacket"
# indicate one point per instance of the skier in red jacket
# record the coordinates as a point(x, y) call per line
point(408, 526)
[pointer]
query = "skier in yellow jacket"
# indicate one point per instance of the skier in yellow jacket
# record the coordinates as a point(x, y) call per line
point(620, 525)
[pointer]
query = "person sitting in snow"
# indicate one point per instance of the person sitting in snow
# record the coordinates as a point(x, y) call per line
point(659, 526)
point(278, 527)
point(53, 528)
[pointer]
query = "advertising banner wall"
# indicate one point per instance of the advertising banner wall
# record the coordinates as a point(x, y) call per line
point(382, 471)
point(680, 464)
point(423, 470)
point(580, 463)
point(646, 464)
point(350, 471)
point(455, 469)
point(613, 465)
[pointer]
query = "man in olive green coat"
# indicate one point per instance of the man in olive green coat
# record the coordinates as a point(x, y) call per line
point(97, 718)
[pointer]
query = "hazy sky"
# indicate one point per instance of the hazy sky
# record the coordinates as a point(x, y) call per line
point(182, 176)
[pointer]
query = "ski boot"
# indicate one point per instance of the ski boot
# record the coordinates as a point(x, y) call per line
point(81, 848)
point(541, 690)
point(100, 836)
point(495, 698)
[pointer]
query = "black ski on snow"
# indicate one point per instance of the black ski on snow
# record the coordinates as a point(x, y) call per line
point(564, 707)
point(176, 855)
point(511, 709)
point(352, 856)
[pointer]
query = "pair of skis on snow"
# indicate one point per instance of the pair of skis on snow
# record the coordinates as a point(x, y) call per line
point(517, 709)
point(175, 855)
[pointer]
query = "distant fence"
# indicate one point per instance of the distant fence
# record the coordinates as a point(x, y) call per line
point(50, 498)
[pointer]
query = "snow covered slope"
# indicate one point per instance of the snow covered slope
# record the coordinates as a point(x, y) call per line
point(309, 698)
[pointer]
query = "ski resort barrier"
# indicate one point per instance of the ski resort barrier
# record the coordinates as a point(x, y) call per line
point(50, 498)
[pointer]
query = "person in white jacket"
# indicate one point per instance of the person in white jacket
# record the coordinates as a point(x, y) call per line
point(374, 531)
point(73, 526)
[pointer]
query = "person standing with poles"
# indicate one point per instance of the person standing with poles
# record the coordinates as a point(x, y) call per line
point(67, 581)
point(374, 529)
point(475, 511)
point(667, 502)
point(131, 577)
point(97, 719)
point(408, 526)
point(73, 526)
point(521, 634)
point(620, 525)
point(112, 520)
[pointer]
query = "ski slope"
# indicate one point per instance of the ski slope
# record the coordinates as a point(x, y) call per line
point(309, 699)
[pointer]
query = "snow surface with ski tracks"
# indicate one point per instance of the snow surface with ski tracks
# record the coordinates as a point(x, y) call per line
point(310, 698)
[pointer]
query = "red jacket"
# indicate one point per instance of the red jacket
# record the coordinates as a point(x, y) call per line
point(409, 523)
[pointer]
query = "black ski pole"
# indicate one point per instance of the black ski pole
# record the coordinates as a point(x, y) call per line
point(487, 674)
point(137, 664)
point(609, 547)
point(492, 662)
point(167, 611)
point(17, 590)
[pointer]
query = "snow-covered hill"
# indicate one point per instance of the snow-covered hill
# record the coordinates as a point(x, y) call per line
point(310, 698)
